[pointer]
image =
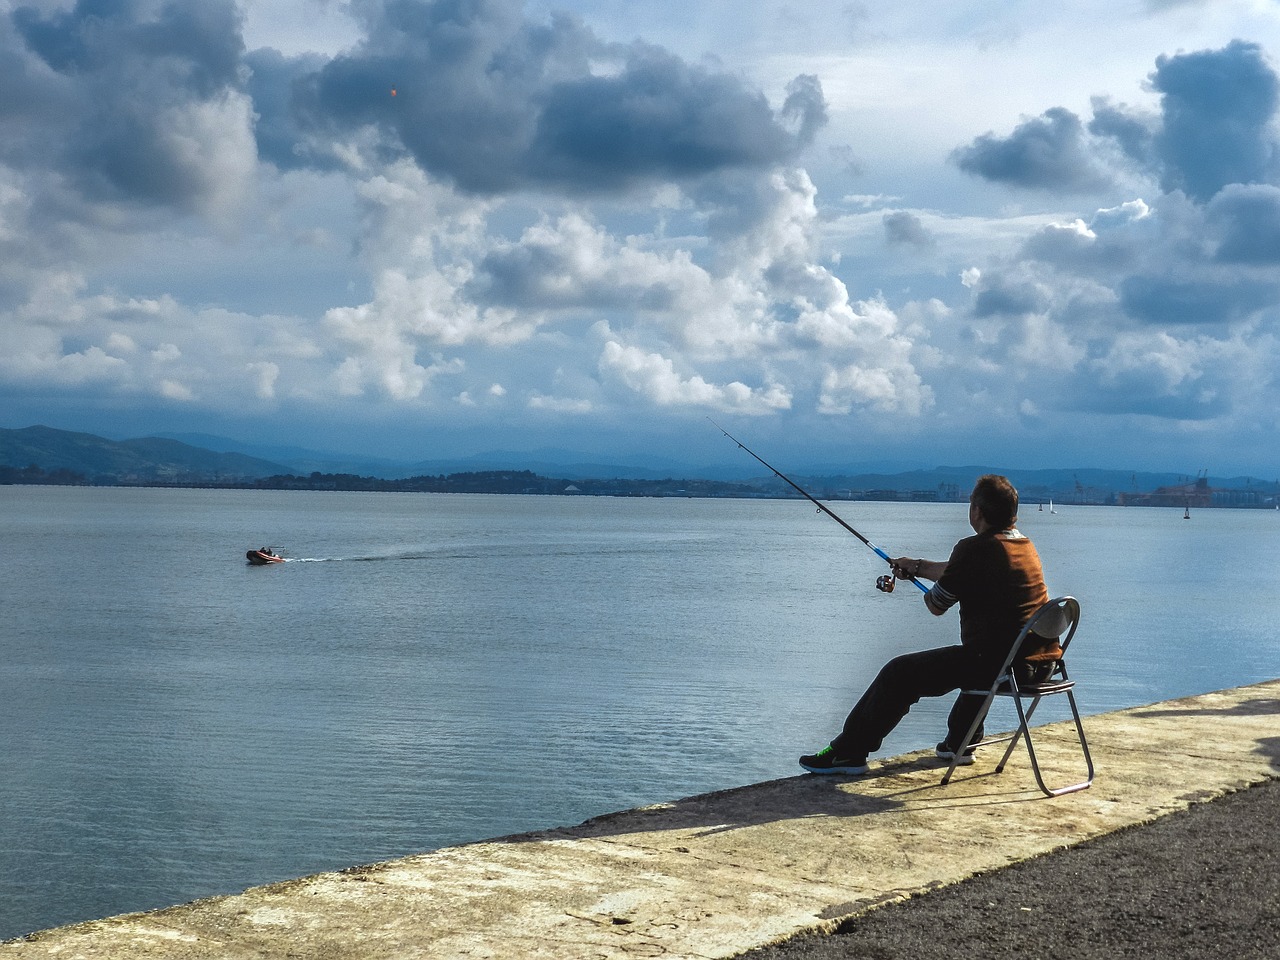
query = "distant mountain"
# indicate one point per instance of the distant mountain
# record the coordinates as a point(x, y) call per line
point(575, 465)
point(202, 458)
point(146, 460)
point(570, 464)
point(300, 460)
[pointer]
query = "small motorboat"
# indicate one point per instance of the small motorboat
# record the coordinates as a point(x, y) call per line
point(262, 557)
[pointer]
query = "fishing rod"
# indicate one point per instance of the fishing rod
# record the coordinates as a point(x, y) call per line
point(882, 583)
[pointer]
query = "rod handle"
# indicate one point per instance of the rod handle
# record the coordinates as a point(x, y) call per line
point(885, 557)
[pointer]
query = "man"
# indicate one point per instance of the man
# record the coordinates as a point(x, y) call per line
point(996, 578)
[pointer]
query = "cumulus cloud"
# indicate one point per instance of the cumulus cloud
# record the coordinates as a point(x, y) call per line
point(1170, 300)
point(661, 119)
point(1048, 152)
point(1001, 296)
point(133, 102)
point(1131, 211)
point(1217, 108)
point(1163, 305)
point(1246, 220)
point(134, 349)
point(1160, 375)
point(445, 114)
point(904, 227)
point(573, 262)
point(1133, 132)
point(1215, 127)
point(656, 377)
point(754, 305)
point(881, 389)
point(1128, 317)
point(485, 99)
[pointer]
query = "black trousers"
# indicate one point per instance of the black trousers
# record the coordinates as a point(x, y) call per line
point(902, 682)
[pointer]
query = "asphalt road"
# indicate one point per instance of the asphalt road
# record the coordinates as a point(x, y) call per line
point(1203, 883)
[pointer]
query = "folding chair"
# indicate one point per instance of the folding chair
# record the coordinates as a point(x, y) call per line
point(1057, 618)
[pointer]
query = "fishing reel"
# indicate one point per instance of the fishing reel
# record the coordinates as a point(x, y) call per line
point(886, 583)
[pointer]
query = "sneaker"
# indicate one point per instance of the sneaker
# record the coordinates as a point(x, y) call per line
point(945, 751)
point(826, 761)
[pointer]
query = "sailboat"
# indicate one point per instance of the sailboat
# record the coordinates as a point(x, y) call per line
point(1051, 510)
point(1186, 513)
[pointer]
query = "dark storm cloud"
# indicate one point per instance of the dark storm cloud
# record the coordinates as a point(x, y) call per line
point(197, 45)
point(906, 228)
point(998, 297)
point(1215, 127)
point(272, 78)
point(1217, 110)
point(1168, 301)
point(449, 82)
point(28, 97)
point(1133, 133)
point(1198, 399)
point(495, 103)
point(111, 72)
point(659, 118)
point(805, 109)
point(106, 95)
point(1249, 220)
point(1048, 152)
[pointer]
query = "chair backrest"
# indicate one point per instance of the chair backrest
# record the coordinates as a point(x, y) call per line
point(1057, 618)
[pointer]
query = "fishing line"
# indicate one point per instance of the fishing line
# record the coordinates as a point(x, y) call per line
point(883, 583)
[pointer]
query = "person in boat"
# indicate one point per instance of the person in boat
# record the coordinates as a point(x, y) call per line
point(996, 578)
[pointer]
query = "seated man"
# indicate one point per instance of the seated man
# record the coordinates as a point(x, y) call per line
point(996, 578)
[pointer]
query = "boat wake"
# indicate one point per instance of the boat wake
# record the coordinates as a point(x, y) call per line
point(435, 554)
point(365, 559)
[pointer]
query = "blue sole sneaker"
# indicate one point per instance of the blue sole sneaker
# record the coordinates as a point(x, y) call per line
point(826, 761)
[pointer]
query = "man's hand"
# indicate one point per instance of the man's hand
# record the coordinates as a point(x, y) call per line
point(909, 568)
point(904, 568)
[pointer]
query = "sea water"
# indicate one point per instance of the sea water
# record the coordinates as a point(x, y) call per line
point(432, 669)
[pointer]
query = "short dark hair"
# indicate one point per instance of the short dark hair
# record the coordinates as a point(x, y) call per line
point(996, 499)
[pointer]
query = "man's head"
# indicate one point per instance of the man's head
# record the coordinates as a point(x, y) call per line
point(995, 500)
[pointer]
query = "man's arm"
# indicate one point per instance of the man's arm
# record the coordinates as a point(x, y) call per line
point(932, 606)
point(906, 567)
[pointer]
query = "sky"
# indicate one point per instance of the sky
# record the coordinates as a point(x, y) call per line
point(852, 233)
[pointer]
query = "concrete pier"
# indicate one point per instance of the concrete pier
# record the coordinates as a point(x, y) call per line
point(714, 875)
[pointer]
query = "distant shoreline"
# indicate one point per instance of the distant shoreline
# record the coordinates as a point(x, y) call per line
point(527, 483)
point(43, 455)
